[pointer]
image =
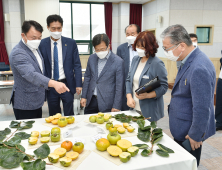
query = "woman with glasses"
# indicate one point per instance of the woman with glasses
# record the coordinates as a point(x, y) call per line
point(103, 80)
point(145, 67)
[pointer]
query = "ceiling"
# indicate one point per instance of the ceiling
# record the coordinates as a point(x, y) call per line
point(115, 1)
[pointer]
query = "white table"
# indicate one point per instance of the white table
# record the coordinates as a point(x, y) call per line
point(180, 160)
point(7, 83)
point(6, 74)
point(6, 91)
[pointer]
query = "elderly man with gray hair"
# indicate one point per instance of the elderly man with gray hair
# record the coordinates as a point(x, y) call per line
point(191, 109)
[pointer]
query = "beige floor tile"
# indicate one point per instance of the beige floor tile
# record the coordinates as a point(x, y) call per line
point(212, 164)
point(216, 143)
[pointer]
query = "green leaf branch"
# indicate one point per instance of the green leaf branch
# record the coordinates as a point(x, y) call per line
point(149, 133)
point(128, 118)
point(153, 134)
point(18, 150)
point(12, 154)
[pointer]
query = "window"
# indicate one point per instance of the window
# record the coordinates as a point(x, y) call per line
point(82, 21)
point(66, 15)
point(204, 35)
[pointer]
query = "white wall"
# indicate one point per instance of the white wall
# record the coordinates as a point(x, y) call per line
point(115, 27)
point(199, 12)
point(20, 10)
point(150, 12)
point(12, 28)
point(187, 13)
point(39, 10)
point(119, 22)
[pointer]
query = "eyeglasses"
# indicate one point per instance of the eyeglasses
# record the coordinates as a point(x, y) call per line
point(100, 50)
point(170, 47)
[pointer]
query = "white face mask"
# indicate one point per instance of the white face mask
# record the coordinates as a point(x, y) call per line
point(140, 52)
point(55, 35)
point(130, 39)
point(102, 54)
point(171, 56)
point(33, 44)
point(195, 44)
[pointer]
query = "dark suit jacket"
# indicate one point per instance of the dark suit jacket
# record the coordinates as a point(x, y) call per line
point(109, 83)
point(191, 110)
point(123, 52)
point(71, 62)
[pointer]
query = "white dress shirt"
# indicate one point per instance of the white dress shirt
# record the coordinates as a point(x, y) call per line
point(38, 58)
point(60, 59)
point(220, 75)
point(132, 54)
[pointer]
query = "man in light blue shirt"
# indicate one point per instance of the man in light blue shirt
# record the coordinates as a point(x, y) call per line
point(103, 80)
point(191, 109)
point(101, 64)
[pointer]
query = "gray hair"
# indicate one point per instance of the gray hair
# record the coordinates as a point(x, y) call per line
point(177, 34)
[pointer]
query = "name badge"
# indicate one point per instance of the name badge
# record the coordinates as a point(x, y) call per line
point(146, 77)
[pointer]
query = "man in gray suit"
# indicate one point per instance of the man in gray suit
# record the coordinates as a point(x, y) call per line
point(126, 52)
point(27, 64)
point(103, 80)
point(191, 109)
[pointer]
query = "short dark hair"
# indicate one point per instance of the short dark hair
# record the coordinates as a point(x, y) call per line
point(97, 39)
point(148, 41)
point(28, 24)
point(137, 28)
point(54, 18)
point(192, 35)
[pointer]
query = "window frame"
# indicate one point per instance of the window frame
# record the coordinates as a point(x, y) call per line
point(90, 13)
point(153, 30)
point(211, 33)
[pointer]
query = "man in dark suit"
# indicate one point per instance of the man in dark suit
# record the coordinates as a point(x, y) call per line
point(62, 64)
point(194, 39)
point(28, 93)
point(191, 109)
point(126, 52)
point(103, 80)
point(218, 106)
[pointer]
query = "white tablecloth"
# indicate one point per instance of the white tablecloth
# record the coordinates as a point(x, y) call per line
point(180, 160)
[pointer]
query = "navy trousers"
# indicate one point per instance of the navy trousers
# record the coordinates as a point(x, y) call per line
point(196, 153)
point(93, 108)
point(54, 98)
point(218, 108)
point(27, 114)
